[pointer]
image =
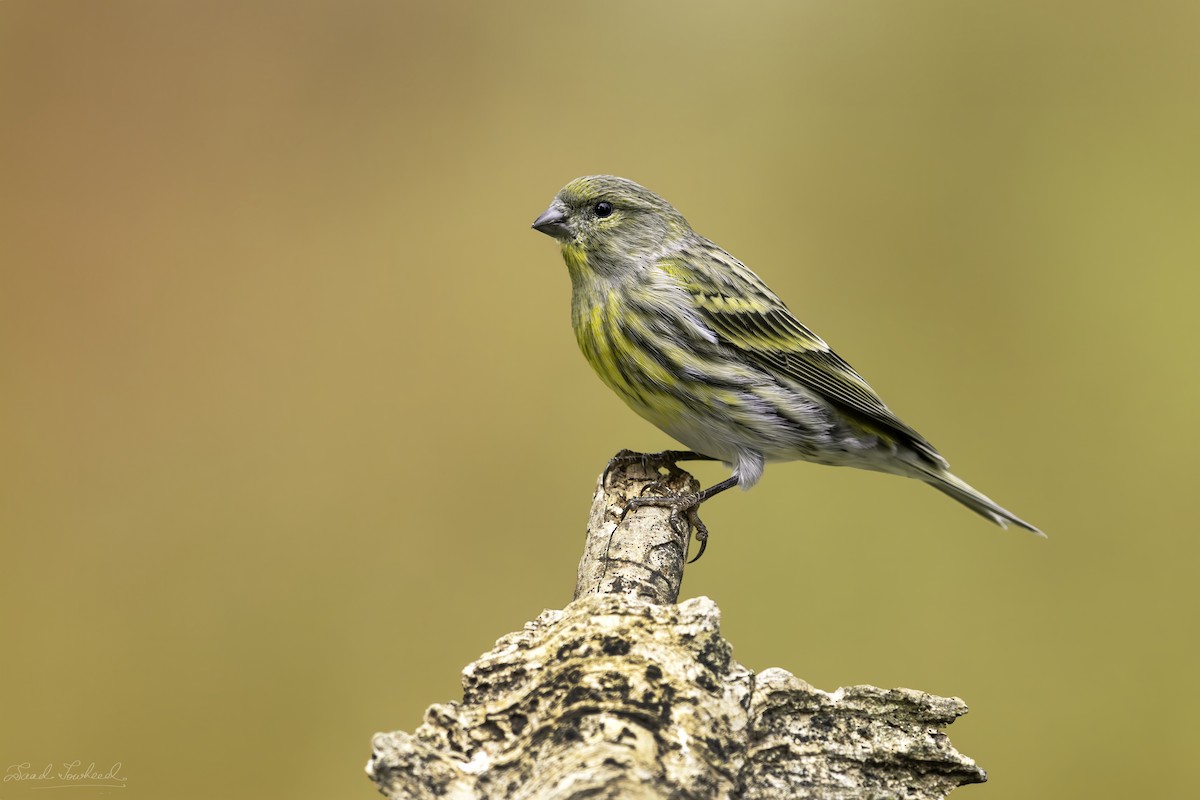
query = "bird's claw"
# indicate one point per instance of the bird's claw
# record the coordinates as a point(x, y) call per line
point(683, 507)
point(701, 532)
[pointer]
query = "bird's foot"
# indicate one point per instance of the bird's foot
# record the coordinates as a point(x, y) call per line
point(684, 510)
point(662, 460)
point(684, 507)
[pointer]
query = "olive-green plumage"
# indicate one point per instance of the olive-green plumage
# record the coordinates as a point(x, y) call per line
point(697, 344)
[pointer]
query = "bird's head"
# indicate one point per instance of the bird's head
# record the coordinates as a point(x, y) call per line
point(608, 218)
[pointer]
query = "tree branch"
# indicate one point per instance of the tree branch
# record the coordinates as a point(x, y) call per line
point(624, 694)
point(639, 554)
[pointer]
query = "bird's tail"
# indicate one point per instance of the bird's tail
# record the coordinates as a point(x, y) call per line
point(978, 502)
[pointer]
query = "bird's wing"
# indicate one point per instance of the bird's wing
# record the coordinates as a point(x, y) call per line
point(746, 315)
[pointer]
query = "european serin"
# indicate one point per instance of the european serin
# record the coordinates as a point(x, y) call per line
point(697, 344)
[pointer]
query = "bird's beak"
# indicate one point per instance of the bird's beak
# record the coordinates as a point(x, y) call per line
point(552, 222)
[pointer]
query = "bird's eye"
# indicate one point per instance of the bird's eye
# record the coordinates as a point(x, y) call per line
point(604, 209)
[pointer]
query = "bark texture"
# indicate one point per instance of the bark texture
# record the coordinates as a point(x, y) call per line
point(626, 695)
point(642, 553)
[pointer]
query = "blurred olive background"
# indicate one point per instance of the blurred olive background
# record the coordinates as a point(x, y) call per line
point(293, 425)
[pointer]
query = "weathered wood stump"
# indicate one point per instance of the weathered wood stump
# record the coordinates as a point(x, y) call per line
point(626, 694)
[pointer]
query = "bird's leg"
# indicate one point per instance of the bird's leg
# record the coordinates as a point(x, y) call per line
point(689, 505)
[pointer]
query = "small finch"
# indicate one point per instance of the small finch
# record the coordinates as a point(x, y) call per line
point(697, 344)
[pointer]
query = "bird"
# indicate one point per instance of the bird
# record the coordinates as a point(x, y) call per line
point(697, 344)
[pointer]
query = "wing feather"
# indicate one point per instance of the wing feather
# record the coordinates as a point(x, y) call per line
point(749, 317)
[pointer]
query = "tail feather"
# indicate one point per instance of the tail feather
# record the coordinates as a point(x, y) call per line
point(978, 502)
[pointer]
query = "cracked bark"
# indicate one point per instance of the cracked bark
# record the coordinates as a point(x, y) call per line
point(626, 694)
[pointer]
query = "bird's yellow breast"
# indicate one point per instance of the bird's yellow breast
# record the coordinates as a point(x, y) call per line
point(637, 376)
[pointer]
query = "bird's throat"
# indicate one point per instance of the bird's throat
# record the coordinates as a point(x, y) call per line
point(576, 260)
